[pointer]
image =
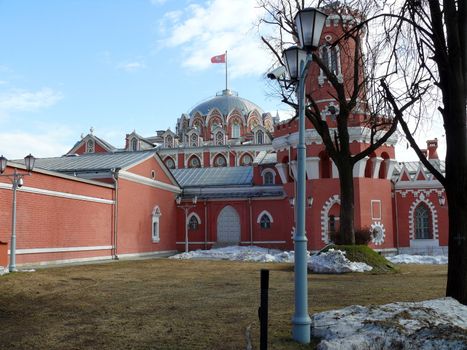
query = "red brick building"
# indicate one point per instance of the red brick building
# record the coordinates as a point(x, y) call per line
point(239, 163)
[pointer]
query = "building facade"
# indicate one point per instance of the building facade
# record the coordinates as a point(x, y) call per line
point(232, 168)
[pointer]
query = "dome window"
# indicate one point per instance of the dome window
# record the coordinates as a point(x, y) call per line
point(169, 162)
point(220, 161)
point(235, 130)
point(194, 162)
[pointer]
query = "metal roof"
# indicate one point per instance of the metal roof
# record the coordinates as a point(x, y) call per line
point(225, 176)
point(92, 161)
point(266, 157)
point(233, 195)
point(226, 102)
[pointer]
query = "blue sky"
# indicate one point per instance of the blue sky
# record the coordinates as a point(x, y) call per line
point(118, 66)
point(124, 65)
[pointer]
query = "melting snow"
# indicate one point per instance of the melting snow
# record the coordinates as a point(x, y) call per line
point(432, 325)
point(333, 261)
point(418, 259)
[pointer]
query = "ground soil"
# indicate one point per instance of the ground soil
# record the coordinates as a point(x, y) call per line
point(170, 304)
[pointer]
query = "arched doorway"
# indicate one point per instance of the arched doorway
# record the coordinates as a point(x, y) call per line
point(228, 226)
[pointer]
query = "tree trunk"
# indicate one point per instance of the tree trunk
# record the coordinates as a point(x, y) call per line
point(346, 224)
point(456, 191)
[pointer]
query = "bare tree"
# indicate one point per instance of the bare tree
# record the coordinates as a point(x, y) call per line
point(433, 34)
point(356, 89)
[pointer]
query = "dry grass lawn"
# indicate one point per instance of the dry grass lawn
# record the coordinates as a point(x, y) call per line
point(170, 304)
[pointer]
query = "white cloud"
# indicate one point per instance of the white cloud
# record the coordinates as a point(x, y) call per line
point(51, 142)
point(23, 100)
point(131, 66)
point(206, 30)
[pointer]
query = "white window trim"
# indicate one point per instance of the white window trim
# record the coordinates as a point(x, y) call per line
point(196, 216)
point(264, 212)
point(376, 216)
point(155, 234)
point(263, 173)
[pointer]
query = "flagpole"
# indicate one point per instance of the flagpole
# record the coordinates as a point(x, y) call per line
point(226, 70)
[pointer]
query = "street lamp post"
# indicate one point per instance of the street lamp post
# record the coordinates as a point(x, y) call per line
point(309, 24)
point(186, 207)
point(16, 182)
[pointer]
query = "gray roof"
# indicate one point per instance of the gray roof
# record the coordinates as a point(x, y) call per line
point(266, 157)
point(225, 176)
point(92, 161)
point(226, 102)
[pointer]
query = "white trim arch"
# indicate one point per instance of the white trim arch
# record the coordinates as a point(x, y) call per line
point(214, 156)
point(213, 113)
point(196, 117)
point(434, 216)
point(264, 212)
point(235, 113)
point(325, 216)
point(268, 170)
point(196, 216)
point(240, 158)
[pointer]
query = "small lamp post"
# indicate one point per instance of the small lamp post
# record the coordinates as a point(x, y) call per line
point(16, 179)
point(186, 207)
point(309, 24)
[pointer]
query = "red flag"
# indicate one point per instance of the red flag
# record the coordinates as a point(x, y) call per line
point(218, 59)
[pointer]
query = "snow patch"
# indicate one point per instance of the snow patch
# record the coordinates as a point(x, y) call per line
point(418, 259)
point(433, 324)
point(333, 261)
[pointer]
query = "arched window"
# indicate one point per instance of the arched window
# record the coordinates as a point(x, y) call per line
point(193, 223)
point(265, 222)
point(422, 222)
point(265, 219)
point(246, 160)
point(169, 141)
point(197, 125)
point(268, 178)
point(90, 146)
point(260, 137)
point(156, 214)
point(330, 58)
point(220, 161)
point(194, 162)
point(215, 124)
point(235, 130)
point(169, 162)
point(134, 144)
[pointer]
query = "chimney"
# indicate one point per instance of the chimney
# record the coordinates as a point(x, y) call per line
point(432, 146)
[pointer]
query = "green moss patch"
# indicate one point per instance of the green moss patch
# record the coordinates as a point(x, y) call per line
point(363, 253)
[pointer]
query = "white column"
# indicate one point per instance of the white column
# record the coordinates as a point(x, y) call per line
point(376, 165)
point(335, 172)
point(282, 169)
point(359, 168)
point(390, 165)
point(294, 167)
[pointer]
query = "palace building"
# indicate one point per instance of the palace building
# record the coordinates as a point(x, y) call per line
point(224, 176)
